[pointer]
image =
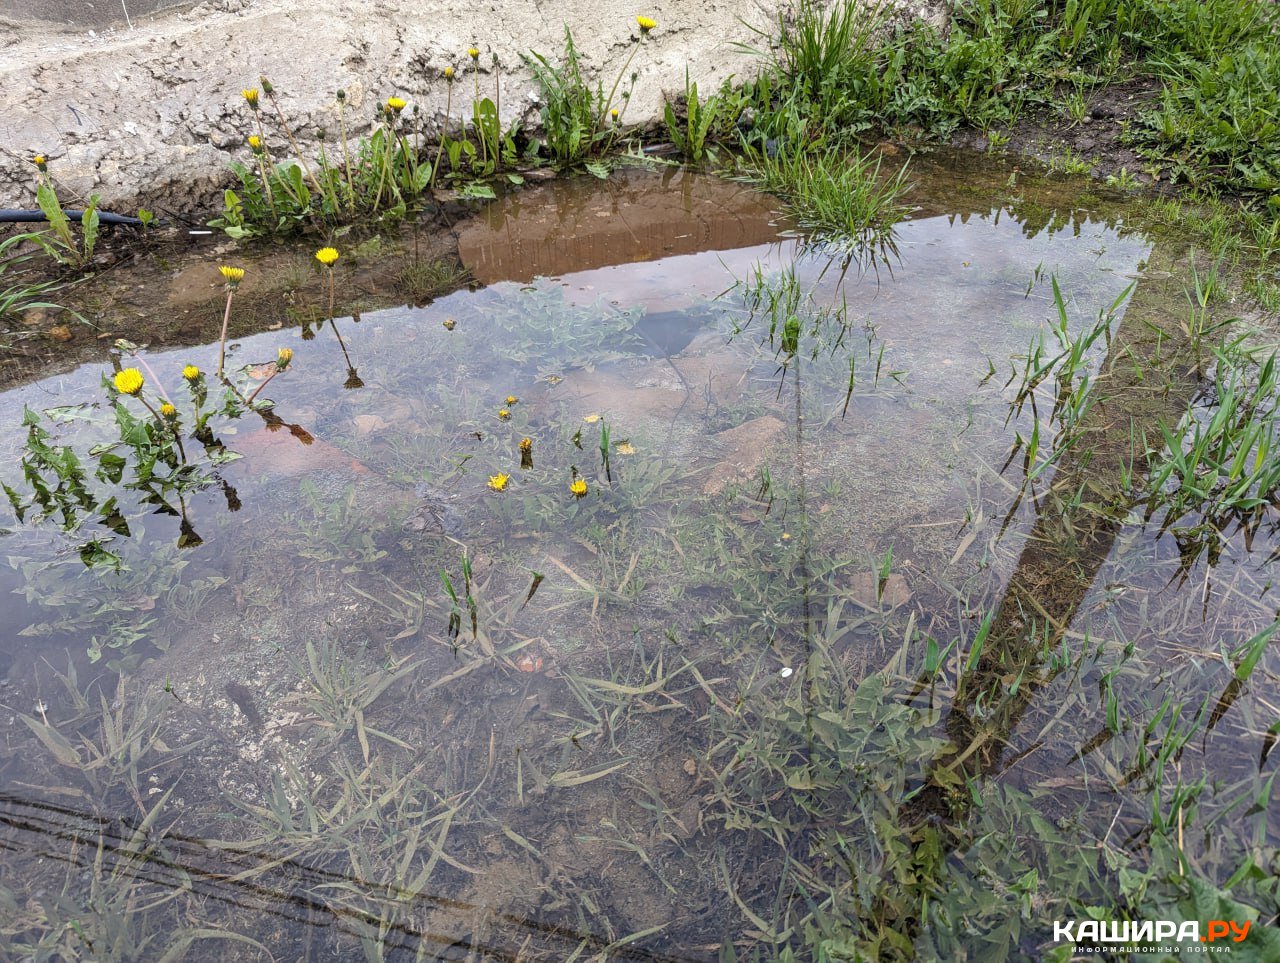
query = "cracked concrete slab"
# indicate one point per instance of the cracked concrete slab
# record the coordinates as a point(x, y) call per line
point(86, 14)
point(153, 115)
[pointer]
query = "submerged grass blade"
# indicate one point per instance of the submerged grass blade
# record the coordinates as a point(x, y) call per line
point(1253, 650)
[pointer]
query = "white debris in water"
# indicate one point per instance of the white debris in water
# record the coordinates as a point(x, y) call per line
point(786, 671)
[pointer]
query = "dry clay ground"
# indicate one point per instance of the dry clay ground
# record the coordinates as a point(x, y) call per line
point(152, 114)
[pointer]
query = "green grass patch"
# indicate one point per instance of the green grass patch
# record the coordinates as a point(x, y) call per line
point(845, 70)
point(840, 195)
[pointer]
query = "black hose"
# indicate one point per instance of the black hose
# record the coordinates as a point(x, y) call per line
point(13, 216)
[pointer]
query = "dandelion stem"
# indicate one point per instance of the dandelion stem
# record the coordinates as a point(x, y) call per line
point(604, 107)
point(266, 186)
point(266, 381)
point(481, 134)
point(385, 162)
point(264, 156)
point(182, 452)
point(164, 395)
point(288, 132)
point(444, 133)
point(410, 162)
point(330, 195)
point(222, 338)
point(333, 323)
point(346, 156)
point(497, 110)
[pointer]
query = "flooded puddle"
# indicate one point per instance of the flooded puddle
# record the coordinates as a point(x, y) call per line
point(674, 591)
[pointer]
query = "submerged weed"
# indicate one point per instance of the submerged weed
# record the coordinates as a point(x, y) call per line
point(422, 281)
point(1221, 461)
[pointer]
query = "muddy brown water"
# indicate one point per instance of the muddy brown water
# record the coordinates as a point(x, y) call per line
point(376, 708)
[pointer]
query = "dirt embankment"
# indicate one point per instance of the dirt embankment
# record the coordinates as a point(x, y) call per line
point(152, 114)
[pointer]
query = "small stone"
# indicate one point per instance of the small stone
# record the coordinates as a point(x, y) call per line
point(866, 590)
point(60, 332)
point(745, 448)
point(368, 424)
point(687, 819)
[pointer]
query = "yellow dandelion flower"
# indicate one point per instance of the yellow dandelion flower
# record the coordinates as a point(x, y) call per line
point(578, 487)
point(251, 97)
point(327, 256)
point(504, 414)
point(614, 113)
point(128, 381)
point(591, 419)
point(40, 161)
point(191, 372)
point(526, 444)
point(473, 53)
point(448, 73)
point(396, 104)
point(255, 142)
point(168, 410)
point(449, 324)
point(511, 400)
point(626, 448)
point(646, 23)
point(283, 357)
point(232, 275)
point(499, 481)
